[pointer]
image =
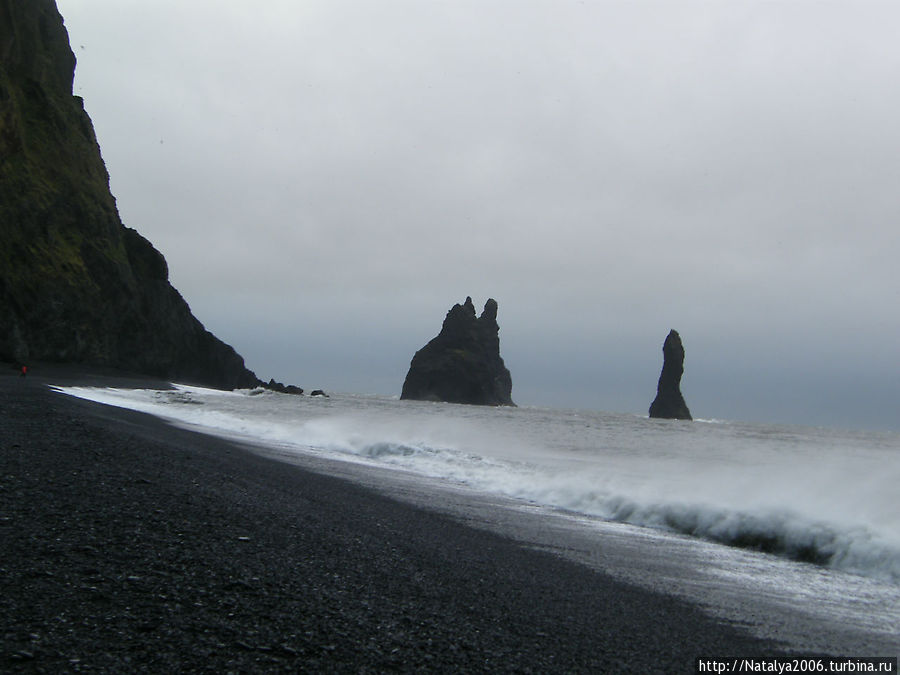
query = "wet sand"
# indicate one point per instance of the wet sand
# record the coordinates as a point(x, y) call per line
point(130, 545)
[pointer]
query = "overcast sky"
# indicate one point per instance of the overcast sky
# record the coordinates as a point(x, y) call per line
point(326, 178)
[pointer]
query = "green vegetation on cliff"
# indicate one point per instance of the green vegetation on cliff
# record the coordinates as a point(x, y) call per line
point(75, 284)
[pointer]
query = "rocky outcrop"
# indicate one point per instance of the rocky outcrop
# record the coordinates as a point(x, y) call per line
point(282, 388)
point(462, 364)
point(75, 284)
point(669, 403)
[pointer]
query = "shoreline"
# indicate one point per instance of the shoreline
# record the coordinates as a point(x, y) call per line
point(136, 545)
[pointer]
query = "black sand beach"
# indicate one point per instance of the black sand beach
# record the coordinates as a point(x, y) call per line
point(132, 546)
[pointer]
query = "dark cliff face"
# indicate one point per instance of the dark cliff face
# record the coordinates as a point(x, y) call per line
point(462, 364)
point(75, 284)
point(669, 403)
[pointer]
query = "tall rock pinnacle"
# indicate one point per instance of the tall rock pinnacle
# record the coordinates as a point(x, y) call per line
point(462, 364)
point(669, 403)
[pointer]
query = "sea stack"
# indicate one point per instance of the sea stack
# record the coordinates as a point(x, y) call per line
point(462, 364)
point(76, 285)
point(669, 403)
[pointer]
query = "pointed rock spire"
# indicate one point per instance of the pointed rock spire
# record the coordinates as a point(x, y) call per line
point(669, 403)
point(463, 363)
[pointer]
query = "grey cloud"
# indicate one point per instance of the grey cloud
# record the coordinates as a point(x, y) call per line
point(606, 170)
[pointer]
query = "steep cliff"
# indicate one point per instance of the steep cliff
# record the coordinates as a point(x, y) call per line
point(462, 364)
point(75, 284)
point(669, 403)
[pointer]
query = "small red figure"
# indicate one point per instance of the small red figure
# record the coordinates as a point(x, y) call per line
point(24, 371)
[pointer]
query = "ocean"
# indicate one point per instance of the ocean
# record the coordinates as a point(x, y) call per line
point(791, 532)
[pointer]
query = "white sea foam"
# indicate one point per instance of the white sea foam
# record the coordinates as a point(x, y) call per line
point(811, 494)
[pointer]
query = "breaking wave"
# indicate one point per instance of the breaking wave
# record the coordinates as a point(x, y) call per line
point(622, 469)
point(775, 531)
